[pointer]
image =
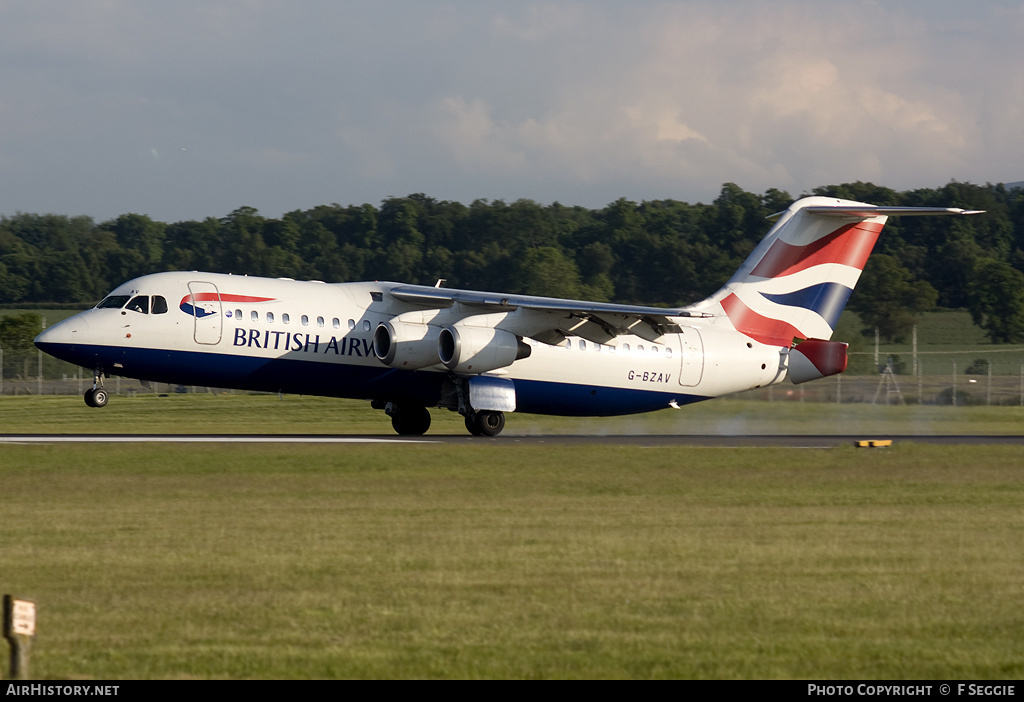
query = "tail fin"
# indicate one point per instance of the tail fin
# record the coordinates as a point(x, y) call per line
point(797, 280)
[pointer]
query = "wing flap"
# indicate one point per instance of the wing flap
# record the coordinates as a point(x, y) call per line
point(599, 322)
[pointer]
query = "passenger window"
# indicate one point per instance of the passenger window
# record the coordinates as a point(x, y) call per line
point(337, 323)
point(305, 320)
point(238, 315)
point(668, 352)
point(366, 325)
point(270, 317)
point(254, 316)
point(286, 318)
point(639, 348)
point(159, 304)
point(139, 304)
point(351, 324)
point(583, 345)
point(625, 347)
point(319, 321)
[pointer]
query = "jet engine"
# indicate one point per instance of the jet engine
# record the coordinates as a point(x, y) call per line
point(465, 349)
point(406, 345)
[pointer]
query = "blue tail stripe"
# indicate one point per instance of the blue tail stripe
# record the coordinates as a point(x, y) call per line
point(827, 299)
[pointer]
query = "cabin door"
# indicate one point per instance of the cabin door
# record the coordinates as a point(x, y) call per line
point(206, 312)
point(691, 358)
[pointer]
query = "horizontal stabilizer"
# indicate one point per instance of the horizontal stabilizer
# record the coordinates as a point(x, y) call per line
point(862, 211)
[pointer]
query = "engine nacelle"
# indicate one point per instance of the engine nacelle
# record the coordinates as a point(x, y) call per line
point(815, 358)
point(406, 345)
point(465, 349)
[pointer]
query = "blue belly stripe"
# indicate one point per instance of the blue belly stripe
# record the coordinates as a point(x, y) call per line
point(305, 377)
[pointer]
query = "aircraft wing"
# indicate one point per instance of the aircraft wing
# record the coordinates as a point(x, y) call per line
point(595, 321)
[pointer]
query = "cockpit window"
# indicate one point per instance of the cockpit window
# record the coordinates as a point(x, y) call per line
point(139, 303)
point(113, 302)
point(159, 304)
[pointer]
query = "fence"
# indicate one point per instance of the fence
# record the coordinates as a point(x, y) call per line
point(948, 378)
point(974, 379)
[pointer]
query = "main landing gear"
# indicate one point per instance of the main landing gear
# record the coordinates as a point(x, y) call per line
point(485, 423)
point(96, 396)
point(413, 419)
point(408, 419)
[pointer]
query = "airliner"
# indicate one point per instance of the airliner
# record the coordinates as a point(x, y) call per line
point(407, 348)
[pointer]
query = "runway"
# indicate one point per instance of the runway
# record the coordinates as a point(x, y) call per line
point(819, 441)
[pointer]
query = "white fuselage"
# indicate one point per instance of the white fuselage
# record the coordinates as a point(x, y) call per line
point(317, 338)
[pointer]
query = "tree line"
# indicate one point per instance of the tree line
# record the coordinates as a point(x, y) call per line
point(657, 252)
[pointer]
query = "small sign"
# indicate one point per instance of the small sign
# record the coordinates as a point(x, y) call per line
point(23, 618)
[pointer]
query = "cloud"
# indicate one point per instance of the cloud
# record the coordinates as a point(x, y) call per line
point(748, 93)
point(285, 105)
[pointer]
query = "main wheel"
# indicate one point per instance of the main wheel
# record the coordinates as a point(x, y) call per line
point(485, 423)
point(411, 421)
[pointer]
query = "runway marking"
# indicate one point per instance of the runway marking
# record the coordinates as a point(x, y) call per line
point(649, 441)
point(213, 439)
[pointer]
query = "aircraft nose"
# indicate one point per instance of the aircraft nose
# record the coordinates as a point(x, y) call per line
point(71, 330)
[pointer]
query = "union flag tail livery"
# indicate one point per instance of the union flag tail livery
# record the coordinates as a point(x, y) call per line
point(794, 285)
point(406, 348)
point(796, 282)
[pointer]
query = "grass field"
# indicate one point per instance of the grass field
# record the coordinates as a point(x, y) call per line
point(498, 559)
point(502, 560)
point(270, 414)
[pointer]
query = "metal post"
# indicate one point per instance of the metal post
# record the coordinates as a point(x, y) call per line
point(920, 381)
point(988, 392)
point(954, 383)
point(876, 347)
point(39, 366)
point(915, 350)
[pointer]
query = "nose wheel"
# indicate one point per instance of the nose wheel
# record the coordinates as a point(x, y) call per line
point(96, 396)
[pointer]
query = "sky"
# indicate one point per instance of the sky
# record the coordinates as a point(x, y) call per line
point(192, 109)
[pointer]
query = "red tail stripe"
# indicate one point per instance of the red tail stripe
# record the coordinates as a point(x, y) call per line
point(759, 327)
point(849, 245)
point(209, 297)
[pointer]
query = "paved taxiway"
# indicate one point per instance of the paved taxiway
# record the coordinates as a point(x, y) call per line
point(657, 440)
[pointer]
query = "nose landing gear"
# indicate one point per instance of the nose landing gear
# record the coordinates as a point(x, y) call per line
point(96, 396)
